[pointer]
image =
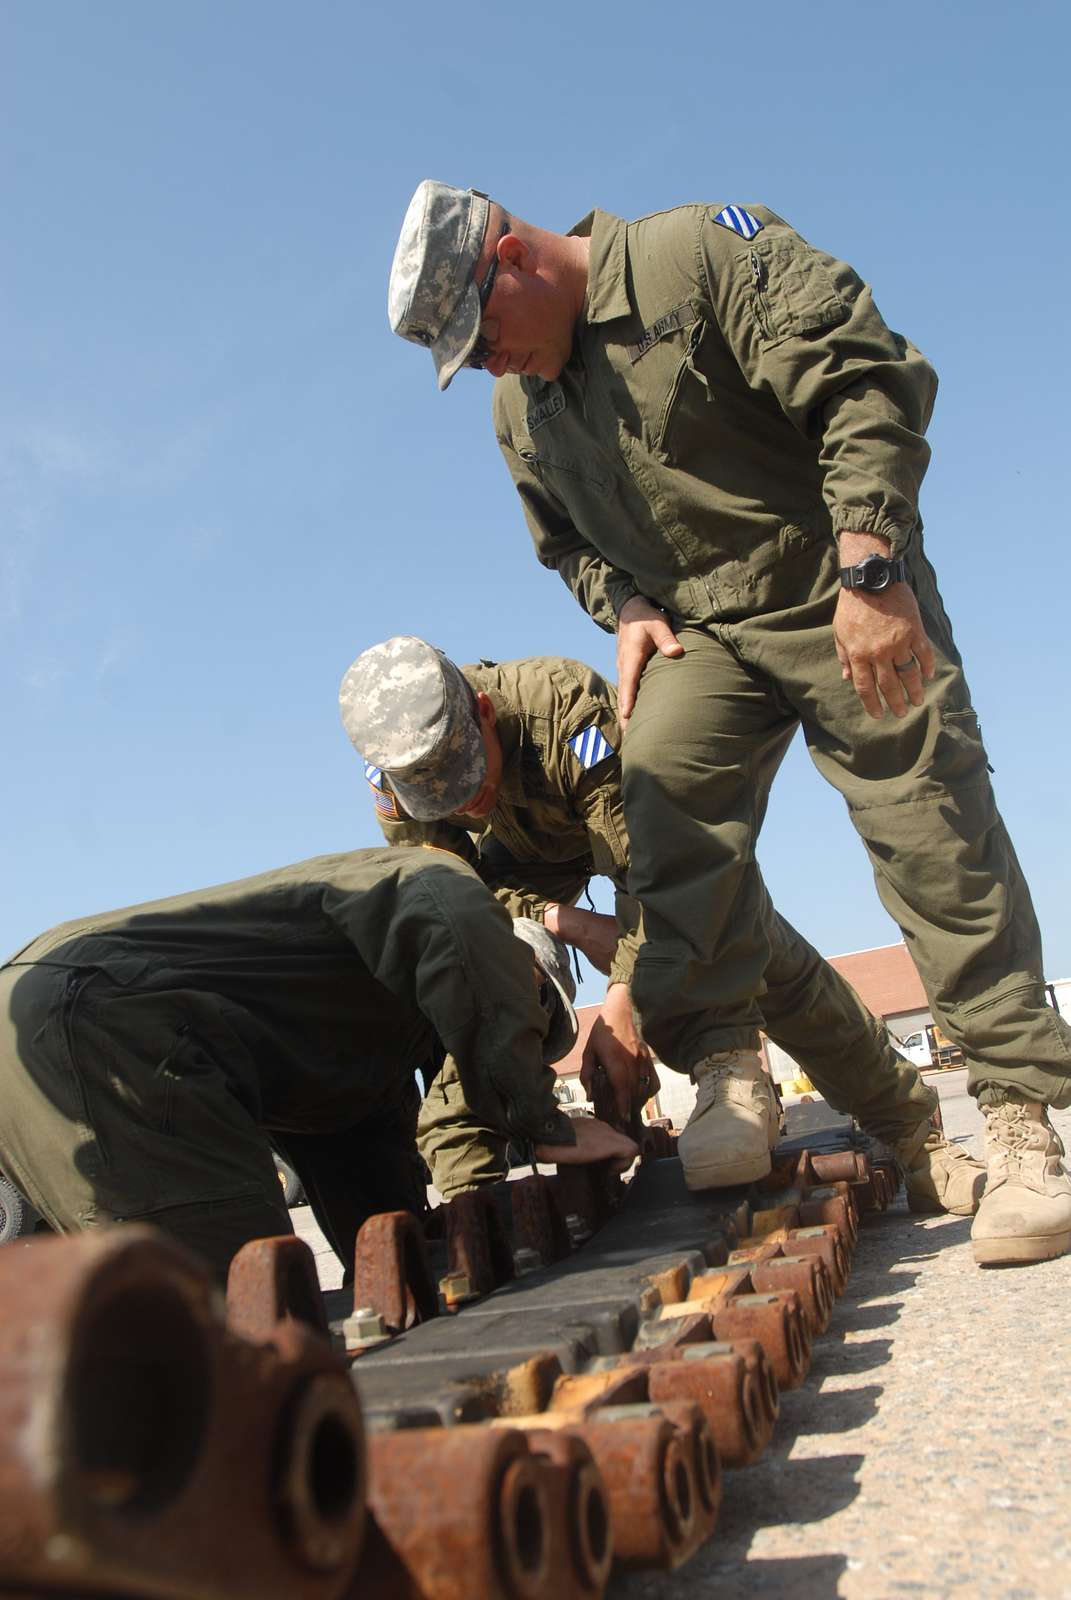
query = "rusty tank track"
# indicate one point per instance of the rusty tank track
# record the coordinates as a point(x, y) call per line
point(551, 1389)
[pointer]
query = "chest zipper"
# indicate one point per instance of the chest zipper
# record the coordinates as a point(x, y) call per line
point(758, 279)
point(689, 361)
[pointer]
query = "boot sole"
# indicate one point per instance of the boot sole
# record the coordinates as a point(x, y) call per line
point(728, 1176)
point(1022, 1248)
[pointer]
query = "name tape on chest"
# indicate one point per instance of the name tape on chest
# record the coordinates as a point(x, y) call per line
point(590, 747)
point(385, 802)
point(737, 220)
point(552, 406)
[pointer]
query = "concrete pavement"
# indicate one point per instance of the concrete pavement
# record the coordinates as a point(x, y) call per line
point(929, 1452)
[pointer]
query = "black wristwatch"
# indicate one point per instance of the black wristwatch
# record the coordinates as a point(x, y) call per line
point(874, 573)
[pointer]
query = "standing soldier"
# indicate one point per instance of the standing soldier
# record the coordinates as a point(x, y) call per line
point(147, 1055)
point(514, 767)
point(719, 444)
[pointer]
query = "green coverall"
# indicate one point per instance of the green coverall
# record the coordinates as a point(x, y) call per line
point(732, 401)
point(147, 1054)
point(557, 822)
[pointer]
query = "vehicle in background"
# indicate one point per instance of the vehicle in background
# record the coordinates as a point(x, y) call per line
point(929, 1048)
point(916, 1047)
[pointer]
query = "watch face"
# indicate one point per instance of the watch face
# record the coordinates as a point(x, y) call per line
point(875, 573)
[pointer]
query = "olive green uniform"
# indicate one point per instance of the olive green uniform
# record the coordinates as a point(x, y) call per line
point(145, 1054)
point(557, 822)
point(733, 400)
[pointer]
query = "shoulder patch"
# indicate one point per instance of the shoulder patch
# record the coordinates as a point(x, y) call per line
point(590, 747)
point(384, 801)
point(737, 220)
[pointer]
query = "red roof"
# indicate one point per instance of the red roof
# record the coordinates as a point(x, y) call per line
point(885, 979)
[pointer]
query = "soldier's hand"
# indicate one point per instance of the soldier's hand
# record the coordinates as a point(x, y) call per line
point(595, 1141)
point(882, 647)
point(614, 1047)
point(641, 630)
point(877, 634)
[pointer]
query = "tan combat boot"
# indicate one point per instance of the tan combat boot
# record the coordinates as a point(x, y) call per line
point(733, 1128)
point(1025, 1214)
point(938, 1176)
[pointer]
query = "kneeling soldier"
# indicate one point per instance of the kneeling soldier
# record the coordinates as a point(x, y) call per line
point(147, 1055)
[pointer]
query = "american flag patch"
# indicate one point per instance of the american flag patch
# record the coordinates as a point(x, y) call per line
point(385, 802)
point(590, 747)
point(737, 220)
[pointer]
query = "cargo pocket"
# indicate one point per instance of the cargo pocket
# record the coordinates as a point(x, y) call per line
point(790, 292)
point(960, 753)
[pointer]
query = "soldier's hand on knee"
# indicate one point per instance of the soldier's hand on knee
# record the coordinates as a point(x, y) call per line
point(883, 648)
point(595, 1141)
point(641, 630)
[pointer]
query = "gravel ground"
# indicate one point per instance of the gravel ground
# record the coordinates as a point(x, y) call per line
point(942, 1467)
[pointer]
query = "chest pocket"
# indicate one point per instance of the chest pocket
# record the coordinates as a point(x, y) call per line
point(666, 390)
point(790, 291)
point(566, 472)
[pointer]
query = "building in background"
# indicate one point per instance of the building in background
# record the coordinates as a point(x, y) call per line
point(885, 979)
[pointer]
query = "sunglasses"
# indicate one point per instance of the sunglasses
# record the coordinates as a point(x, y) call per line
point(477, 356)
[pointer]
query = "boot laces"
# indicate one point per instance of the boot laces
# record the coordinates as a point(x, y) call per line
point(714, 1084)
point(1012, 1130)
point(1013, 1125)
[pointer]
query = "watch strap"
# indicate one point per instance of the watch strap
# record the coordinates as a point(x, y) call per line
point(852, 577)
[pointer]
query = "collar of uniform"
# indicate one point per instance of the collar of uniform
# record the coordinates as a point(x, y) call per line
point(607, 295)
point(508, 728)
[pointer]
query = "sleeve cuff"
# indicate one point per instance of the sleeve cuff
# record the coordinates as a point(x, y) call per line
point(865, 519)
point(619, 592)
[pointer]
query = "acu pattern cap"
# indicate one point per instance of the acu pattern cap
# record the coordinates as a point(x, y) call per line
point(410, 712)
point(433, 298)
point(553, 957)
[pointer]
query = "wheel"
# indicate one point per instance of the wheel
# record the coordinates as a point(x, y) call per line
point(289, 1180)
point(17, 1216)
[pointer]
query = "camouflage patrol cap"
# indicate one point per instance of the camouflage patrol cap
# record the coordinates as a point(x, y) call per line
point(410, 712)
point(553, 957)
point(433, 298)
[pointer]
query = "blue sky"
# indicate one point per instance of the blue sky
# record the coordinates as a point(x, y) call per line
point(221, 476)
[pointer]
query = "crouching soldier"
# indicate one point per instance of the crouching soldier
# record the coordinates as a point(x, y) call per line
point(148, 1055)
point(515, 766)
